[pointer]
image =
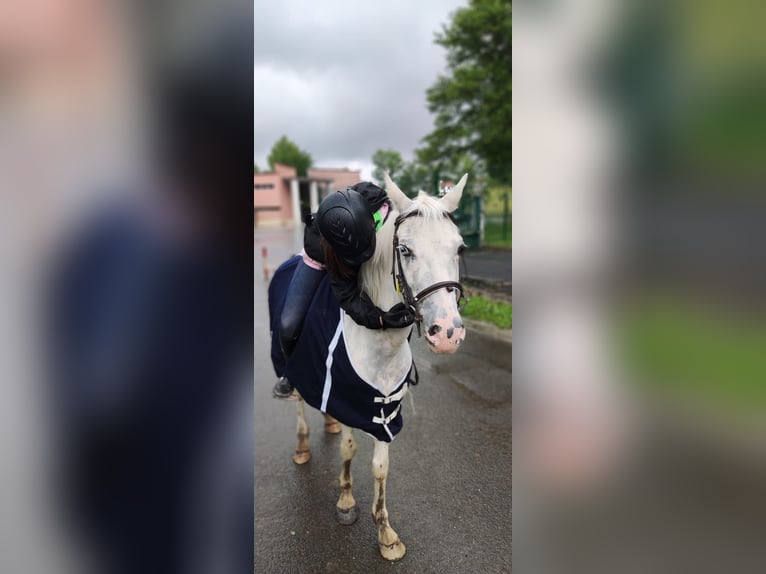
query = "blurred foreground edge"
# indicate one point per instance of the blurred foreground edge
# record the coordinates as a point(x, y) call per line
point(639, 320)
point(127, 174)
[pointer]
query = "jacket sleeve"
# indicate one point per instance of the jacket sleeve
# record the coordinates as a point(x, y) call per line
point(356, 303)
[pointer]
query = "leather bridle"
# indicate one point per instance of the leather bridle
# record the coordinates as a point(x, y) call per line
point(400, 281)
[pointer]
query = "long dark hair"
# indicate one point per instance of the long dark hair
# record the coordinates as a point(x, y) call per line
point(335, 266)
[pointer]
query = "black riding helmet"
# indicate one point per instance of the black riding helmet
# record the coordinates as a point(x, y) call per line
point(374, 195)
point(345, 221)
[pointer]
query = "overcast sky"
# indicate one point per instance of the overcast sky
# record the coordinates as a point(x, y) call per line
point(342, 78)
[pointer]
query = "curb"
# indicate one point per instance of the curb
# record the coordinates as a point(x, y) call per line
point(485, 283)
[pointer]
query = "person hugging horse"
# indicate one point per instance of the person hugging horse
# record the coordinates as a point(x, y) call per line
point(338, 239)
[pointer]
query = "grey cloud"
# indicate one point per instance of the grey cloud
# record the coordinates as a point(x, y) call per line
point(343, 79)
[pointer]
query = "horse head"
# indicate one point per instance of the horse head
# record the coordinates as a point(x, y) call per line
point(426, 251)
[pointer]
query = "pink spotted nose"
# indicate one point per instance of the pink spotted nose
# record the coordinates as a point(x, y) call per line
point(446, 335)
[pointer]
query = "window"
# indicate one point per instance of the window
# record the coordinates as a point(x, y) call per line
point(264, 186)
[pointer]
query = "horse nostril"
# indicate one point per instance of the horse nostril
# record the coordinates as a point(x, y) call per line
point(458, 323)
point(433, 329)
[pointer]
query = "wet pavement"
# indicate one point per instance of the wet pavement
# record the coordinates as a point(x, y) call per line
point(449, 485)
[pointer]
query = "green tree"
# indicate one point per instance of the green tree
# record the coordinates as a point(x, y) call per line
point(409, 176)
point(415, 177)
point(387, 160)
point(473, 102)
point(256, 169)
point(286, 152)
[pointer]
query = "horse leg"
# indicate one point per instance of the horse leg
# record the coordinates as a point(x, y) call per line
point(331, 425)
point(391, 548)
point(302, 453)
point(346, 510)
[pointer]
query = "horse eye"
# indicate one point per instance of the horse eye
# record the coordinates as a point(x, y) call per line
point(404, 250)
point(461, 249)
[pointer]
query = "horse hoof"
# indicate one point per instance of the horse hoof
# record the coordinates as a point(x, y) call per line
point(347, 516)
point(393, 551)
point(332, 428)
point(302, 456)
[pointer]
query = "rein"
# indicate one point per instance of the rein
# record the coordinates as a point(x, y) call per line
point(400, 281)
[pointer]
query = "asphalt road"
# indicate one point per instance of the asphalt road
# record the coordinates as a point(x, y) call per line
point(487, 264)
point(449, 485)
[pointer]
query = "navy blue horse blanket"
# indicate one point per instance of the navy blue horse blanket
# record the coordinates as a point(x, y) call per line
point(320, 367)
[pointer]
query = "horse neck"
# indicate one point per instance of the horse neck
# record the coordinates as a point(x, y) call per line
point(379, 355)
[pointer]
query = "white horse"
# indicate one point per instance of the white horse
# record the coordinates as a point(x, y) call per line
point(420, 245)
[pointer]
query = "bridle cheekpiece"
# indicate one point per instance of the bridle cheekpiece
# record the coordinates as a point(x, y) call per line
point(400, 281)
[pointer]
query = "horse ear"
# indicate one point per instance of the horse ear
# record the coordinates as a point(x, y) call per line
point(451, 200)
point(396, 195)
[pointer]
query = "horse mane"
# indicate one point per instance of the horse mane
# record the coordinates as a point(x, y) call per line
point(375, 274)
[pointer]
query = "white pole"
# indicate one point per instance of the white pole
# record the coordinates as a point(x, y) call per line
point(296, 201)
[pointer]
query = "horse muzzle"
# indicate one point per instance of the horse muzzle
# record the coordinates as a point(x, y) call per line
point(446, 335)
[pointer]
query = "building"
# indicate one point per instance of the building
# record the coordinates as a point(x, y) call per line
point(281, 197)
point(341, 178)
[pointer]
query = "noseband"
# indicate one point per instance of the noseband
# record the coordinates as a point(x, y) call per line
point(400, 281)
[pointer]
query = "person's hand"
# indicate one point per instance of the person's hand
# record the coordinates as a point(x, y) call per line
point(398, 316)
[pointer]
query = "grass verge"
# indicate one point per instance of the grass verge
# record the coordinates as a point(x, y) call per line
point(681, 348)
point(493, 234)
point(498, 313)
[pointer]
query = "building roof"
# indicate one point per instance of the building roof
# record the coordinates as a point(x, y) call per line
point(327, 175)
